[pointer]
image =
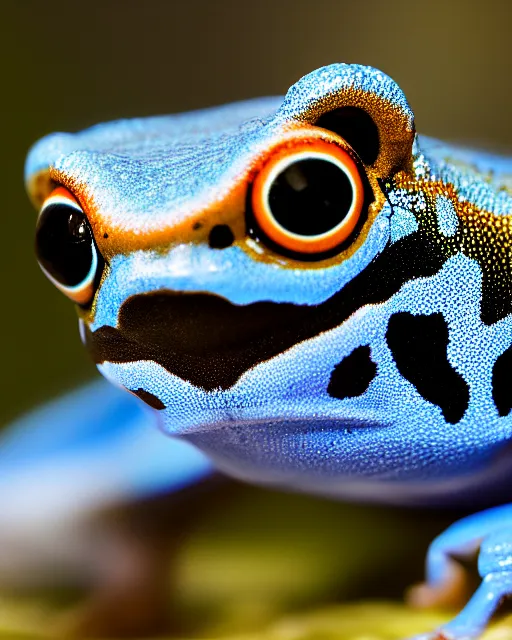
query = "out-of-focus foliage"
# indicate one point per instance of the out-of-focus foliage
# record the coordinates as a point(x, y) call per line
point(361, 621)
point(264, 565)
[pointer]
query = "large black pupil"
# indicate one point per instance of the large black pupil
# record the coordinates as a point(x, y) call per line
point(64, 244)
point(310, 197)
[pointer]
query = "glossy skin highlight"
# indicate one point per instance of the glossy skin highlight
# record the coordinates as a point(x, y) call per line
point(239, 347)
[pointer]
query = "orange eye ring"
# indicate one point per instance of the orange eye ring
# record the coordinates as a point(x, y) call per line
point(65, 247)
point(281, 162)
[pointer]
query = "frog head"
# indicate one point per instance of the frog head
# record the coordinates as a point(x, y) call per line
point(287, 282)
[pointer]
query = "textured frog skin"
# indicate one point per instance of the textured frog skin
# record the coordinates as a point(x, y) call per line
point(379, 371)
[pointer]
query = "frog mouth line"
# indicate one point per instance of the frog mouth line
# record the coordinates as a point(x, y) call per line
point(201, 337)
point(211, 342)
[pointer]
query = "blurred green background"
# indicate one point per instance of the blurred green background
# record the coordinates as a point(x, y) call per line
point(65, 66)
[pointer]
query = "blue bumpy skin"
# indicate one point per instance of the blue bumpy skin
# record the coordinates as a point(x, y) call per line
point(307, 291)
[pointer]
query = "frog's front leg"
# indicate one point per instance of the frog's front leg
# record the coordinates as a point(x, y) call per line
point(491, 531)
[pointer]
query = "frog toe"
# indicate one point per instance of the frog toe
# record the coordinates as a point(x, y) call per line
point(453, 592)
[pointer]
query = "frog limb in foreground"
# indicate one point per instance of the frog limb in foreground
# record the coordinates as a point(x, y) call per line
point(307, 291)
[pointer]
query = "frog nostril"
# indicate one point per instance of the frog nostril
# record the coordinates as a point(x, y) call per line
point(220, 237)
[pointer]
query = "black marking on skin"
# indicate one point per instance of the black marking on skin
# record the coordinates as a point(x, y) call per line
point(149, 398)
point(489, 246)
point(496, 301)
point(352, 376)
point(501, 383)
point(221, 237)
point(419, 346)
point(356, 127)
point(211, 342)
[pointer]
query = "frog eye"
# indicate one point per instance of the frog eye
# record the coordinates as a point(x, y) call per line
point(308, 199)
point(65, 247)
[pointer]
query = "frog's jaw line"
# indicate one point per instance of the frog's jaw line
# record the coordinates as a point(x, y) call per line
point(226, 348)
point(372, 427)
point(195, 268)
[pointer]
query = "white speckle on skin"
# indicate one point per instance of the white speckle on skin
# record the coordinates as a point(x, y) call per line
point(403, 223)
point(447, 219)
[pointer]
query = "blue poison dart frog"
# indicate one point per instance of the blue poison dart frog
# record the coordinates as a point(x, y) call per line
point(303, 293)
